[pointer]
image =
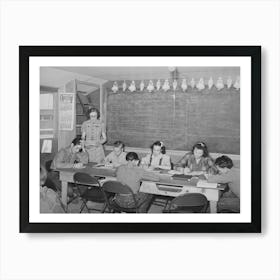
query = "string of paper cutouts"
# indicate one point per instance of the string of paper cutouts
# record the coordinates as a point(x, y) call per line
point(166, 85)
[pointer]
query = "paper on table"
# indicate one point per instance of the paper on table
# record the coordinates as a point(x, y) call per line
point(47, 146)
point(107, 167)
point(81, 167)
point(99, 165)
point(173, 172)
point(205, 184)
point(103, 166)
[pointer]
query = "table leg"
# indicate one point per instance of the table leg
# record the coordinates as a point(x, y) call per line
point(64, 187)
point(213, 206)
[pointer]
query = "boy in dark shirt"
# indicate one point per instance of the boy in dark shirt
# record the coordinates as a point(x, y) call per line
point(72, 156)
point(230, 200)
point(131, 175)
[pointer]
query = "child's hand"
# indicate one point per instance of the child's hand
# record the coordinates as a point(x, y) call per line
point(150, 168)
point(78, 165)
point(186, 170)
point(180, 169)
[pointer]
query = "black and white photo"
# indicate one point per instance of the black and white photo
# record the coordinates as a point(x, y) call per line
point(167, 139)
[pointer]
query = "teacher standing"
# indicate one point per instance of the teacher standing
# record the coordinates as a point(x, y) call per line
point(94, 136)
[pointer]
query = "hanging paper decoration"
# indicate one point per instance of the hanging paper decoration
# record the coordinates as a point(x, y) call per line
point(184, 85)
point(150, 86)
point(174, 84)
point(210, 83)
point(229, 82)
point(124, 86)
point(237, 83)
point(200, 85)
point(142, 86)
point(158, 85)
point(132, 87)
point(115, 87)
point(219, 83)
point(166, 85)
point(192, 83)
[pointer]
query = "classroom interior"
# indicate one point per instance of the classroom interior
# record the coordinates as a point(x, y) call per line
point(179, 106)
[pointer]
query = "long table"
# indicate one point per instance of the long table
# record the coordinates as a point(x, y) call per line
point(165, 186)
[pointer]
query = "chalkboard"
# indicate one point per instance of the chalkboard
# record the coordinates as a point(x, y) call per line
point(179, 119)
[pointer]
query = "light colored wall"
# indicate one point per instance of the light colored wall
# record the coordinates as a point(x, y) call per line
point(55, 77)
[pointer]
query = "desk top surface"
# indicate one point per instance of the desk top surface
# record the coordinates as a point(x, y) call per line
point(164, 177)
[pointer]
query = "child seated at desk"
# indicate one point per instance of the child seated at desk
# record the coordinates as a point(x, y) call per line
point(117, 157)
point(49, 200)
point(157, 158)
point(72, 156)
point(131, 175)
point(230, 200)
point(197, 162)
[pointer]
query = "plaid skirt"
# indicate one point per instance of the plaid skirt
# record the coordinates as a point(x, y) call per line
point(96, 154)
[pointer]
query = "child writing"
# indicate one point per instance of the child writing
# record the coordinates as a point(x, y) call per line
point(131, 174)
point(197, 162)
point(117, 157)
point(228, 175)
point(157, 158)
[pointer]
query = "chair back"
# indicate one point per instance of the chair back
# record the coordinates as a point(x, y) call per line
point(116, 187)
point(85, 179)
point(89, 189)
point(194, 202)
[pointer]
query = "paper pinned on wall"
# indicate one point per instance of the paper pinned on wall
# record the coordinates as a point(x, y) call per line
point(66, 111)
point(47, 146)
point(46, 101)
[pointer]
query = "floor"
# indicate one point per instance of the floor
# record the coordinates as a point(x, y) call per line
point(75, 206)
point(157, 206)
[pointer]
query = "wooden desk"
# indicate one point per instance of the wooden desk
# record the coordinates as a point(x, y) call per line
point(66, 176)
point(166, 186)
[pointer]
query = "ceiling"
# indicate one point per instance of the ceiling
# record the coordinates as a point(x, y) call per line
point(146, 73)
point(59, 76)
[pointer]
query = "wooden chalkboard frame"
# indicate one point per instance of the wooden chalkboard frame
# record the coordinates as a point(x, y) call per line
point(254, 52)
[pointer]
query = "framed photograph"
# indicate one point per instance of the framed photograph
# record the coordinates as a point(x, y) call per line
point(140, 139)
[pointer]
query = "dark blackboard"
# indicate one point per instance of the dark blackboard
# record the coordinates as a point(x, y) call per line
point(178, 119)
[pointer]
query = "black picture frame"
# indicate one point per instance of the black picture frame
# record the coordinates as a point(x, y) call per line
point(254, 52)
